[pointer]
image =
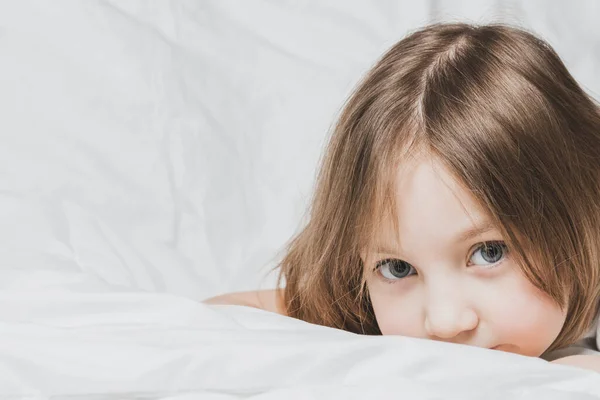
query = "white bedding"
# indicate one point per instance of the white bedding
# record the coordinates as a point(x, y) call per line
point(155, 153)
point(95, 341)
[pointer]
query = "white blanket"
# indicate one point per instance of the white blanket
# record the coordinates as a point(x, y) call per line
point(154, 153)
point(79, 338)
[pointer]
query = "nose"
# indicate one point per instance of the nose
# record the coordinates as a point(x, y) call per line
point(448, 315)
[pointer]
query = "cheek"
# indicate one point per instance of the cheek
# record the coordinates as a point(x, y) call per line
point(525, 317)
point(393, 312)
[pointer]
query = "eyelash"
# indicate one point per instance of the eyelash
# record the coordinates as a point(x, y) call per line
point(479, 246)
point(493, 243)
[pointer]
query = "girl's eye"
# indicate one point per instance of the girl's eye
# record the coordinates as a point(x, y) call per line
point(489, 253)
point(394, 269)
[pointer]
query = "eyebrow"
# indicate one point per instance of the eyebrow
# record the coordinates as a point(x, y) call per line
point(460, 237)
point(475, 231)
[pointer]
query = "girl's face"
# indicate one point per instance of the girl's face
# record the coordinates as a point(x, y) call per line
point(451, 278)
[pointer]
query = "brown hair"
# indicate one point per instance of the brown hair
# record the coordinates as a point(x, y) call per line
point(496, 105)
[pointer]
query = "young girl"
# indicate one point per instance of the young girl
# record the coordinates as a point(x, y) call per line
point(459, 200)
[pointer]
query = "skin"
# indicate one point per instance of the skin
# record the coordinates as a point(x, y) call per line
point(268, 300)
point(457, 290)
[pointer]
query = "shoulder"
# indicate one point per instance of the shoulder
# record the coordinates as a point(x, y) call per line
point(268, 300)
point(589, 345)
point(591, 362)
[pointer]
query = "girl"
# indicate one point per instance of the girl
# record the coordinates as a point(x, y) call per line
point(459, 200)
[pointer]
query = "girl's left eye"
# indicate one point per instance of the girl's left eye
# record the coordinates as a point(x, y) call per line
point(489, 253)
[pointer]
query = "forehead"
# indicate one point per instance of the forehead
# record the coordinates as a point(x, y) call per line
point(429, 204)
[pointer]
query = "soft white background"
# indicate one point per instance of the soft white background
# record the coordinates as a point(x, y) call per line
point(172, 145)
point(155, 153)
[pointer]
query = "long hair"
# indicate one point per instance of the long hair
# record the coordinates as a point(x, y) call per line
point(496, 105)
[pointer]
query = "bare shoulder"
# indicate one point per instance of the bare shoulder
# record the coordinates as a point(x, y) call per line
point(591, 362)
point(268, 300)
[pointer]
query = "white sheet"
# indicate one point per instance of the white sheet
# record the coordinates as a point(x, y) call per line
point(172, 145)
point(95, 341)
point(154, 153)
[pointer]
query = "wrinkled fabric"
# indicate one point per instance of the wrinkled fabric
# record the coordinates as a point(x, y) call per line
point(155, 153)
point(66, 334)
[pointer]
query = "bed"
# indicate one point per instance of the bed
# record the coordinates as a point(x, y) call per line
point(156, 153)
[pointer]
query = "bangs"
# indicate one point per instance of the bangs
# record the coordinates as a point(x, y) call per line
point(382, 203)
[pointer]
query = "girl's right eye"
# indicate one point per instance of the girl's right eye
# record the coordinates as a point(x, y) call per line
point(394, 269)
